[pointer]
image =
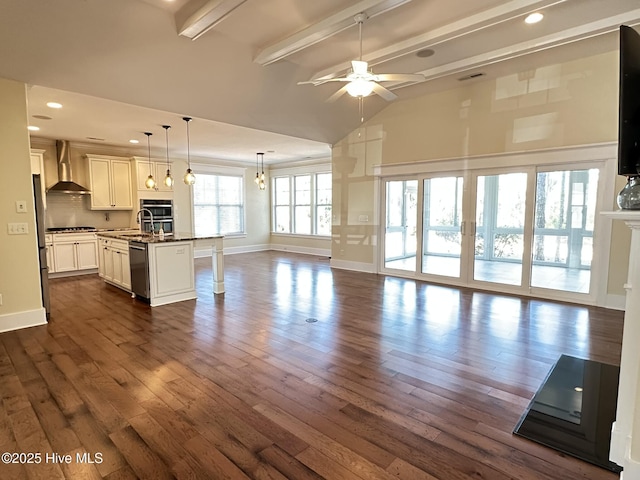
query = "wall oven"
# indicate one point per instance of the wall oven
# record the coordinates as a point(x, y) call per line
point(162, 215)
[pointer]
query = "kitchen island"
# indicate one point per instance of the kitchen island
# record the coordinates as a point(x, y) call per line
point(166, 265)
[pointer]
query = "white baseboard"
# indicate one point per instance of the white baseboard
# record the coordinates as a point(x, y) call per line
point(18, 320)
point(615, 302)
point(321, 252)
point(355, 266)
point(203, 252)
point(73, 273)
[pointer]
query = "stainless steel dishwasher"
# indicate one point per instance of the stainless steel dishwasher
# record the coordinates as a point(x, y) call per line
point(139, 262)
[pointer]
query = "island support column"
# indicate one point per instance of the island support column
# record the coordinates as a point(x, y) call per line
point(625, 435)
point(217, 263)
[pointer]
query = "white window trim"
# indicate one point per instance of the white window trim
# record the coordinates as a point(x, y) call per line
point(290, 174)
point(225, 171)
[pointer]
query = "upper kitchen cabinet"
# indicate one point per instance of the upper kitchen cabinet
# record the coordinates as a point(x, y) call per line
point(158, 169)
point(110, 183)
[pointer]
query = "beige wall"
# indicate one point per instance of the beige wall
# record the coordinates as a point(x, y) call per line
point(19, 267)
point(568, 104)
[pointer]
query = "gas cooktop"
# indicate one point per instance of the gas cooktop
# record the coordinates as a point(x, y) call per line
point(70, 229)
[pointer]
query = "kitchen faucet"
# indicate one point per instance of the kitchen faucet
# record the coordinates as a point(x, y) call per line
point(139, 220)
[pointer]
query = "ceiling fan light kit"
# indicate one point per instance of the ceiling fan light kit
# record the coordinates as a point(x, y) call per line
point(360, 87)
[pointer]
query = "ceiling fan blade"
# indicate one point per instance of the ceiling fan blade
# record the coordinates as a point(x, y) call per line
point(383, 92)
point(338, 94)
point(323, 81)
point(400, 77)
point(359, 66)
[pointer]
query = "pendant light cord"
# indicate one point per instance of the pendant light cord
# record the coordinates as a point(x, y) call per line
point(148, 134)
point(188, 119)
point(166, 130)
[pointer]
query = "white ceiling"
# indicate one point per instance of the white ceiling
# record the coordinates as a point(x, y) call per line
point(120, 67)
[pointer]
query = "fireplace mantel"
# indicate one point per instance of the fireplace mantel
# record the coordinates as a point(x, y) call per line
point(625, 437)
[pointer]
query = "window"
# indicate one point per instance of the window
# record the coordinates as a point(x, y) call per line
point(218, 204)
point(282, 216)
point(302, 204)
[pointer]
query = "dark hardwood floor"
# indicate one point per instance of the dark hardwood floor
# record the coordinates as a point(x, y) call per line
point(297, 372)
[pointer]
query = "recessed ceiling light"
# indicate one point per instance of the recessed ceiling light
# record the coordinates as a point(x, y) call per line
point(534, 18)
point(134, 141)
point(425, 52)
point(578, 389)
point(33, 128)
point(54, 105)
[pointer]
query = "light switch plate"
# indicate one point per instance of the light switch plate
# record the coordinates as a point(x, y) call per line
point(17, 228)
point(21, 206)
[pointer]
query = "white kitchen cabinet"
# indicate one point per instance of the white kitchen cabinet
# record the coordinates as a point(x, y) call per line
point(48, 242)
point(75, 252)
point(110, 183)
point(158, 169)
point(114, 262)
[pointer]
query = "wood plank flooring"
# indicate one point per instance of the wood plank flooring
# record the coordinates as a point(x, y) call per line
point(297, 372)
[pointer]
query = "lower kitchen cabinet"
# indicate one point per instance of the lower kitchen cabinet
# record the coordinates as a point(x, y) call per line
point(76, 252)
point(114, 263)
point(48, 242)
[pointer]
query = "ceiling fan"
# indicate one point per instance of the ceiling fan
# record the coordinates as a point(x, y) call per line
point(361, 81)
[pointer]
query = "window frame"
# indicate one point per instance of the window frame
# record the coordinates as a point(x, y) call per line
point(220, 171)
point(312, 205)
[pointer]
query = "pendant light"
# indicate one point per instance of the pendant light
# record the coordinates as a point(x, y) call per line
point(168, 179)
point(261, 183)
point(189, 177)
point(149, 182)
point(257, 179)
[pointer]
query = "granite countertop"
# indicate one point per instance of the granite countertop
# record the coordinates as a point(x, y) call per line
point(133, 236)
point(56, 231)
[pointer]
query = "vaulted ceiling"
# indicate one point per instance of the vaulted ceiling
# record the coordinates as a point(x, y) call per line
point(122, 67)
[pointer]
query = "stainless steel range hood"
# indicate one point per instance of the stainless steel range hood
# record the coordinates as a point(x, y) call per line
point(65, 184)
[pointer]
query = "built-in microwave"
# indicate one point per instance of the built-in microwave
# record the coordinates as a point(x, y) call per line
point(162, 211)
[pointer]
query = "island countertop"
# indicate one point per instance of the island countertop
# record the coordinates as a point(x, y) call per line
point(148, 238)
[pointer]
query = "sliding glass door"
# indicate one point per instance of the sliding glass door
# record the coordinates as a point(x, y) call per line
point(401, 219)
point(441, 226)
point(499, 228)
point(517, 230)
point(563, 230)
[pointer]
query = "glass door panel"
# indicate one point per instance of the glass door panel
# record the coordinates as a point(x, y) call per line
point(563, 229)
point(442, 217)
point(499, 229)
point(401, 219)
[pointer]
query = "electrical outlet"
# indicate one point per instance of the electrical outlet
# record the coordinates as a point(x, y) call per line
point(18, 228)
point(0, 299)
point(21, 206)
